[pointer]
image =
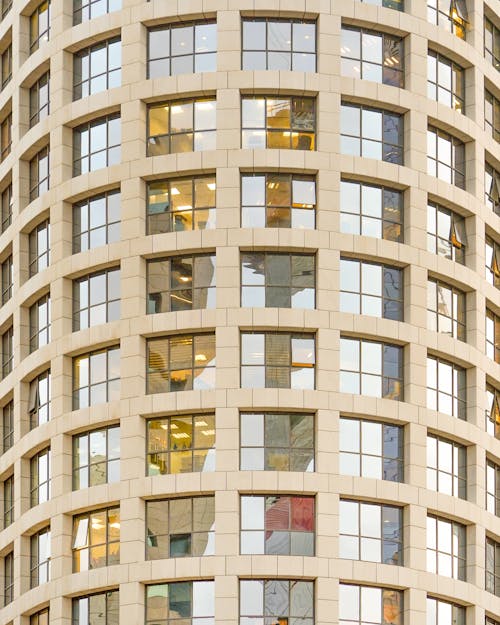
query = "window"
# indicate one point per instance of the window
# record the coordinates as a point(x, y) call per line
point(372, 55)
point(369, 604)
point(489, 621)
point(39, 399)
point(180, 444)
point(39, 26)
point(39, 173)
point(97, 68)
point(446, 389)
point(492, 188)
point(445, 81)
point(278, 280)
point(96, 144)
point(182, 49)
point(492, 487)
point(279, 44)
point(492, 566)
point(7, 426)
point(397, 5)
point(371, 211)
point(5, 7)
point(445, 157)
point(6, 208)
point(492, 336)
point(7, 351)
point(181, 204)
point(446, 466)
point(492, 115)
point(181, 283)
point(441, 612)
point(7, 269)
point(492, 254)
point(5, 137)
point(8, 501)
point(40, 323)
point(39, 248)
point(492, 412)
point(96, 299)
point(181, 126)
point(371, 289)
point(277, 525)
point(40, 477)
point(96, 457)
point(371, 449)
point(84, 10)
point(8, 578)
point(445, 233)
point(446, 547)
point(96, 221)
point(96, 377)
point(178, 528)
point(181, 363)
point(371, 133)
point(105, 604)
point(371, 368)
point(278, 122)
point(40, 557)
point(194, 602)
point(448, 14)
point(276, 441)
point(492, 43)
point(370, 532)
point(40, 618)
point(445, 309)
point(276, 601)
point(278, 201)
point(6, 66)
point(278, 360)
point(39, 99)
point(96, 539)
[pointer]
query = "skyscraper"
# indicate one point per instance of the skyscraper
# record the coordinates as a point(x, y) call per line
point(250, 312)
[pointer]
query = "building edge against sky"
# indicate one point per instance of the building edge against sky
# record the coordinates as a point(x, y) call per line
point(250, 312)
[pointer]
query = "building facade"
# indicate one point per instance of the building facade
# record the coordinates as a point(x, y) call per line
point(250, 312)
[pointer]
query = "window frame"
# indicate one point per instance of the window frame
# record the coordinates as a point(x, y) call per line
point(455, 21)
point(112, 74)
point(111, 544)
point(6, 66)
point(457, 166)
point(188, 289)
point(457, 555)
point(41, 617)
point(186, 539)
point(38, 36)
point(172, 26)
point(87, 7)
point(38, 402)
point(270, 587)
point(107, 595)
point(39, 109)
point(305, 132)
point(456, 241)
point(107, 381)
point(111, 225)
point(267, 50)
point(7, 351)
point(492, 412)
point(268, 286)
point(492, 490)
point(107, 460)
point(493, 268)
point(365, 458)
point(111, 152)
point(6, 269)
point(435, 86)
point(107, 304)
point(359, 538)
point(388, 383)
point(392, 72)
point(492, 335)
point(439, 315)
point(175, 217)
point(40, 328)
point(492, 573)
point(289, 521)
point(189, 370)
point(391, 601)
point(493, 55)
point(492, 188)
point(454, 611)
point(5, 136)
point(8, 577)
point(7, 425)
point(40, 477)
point(266, 367)
point(7, 201)
point(37, 563)
point(258, 434)
point(456, 475)
point(458, 403)
point(195, 589)
point(8, 487)
point(39, 258)
point(39, 183)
